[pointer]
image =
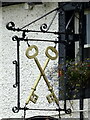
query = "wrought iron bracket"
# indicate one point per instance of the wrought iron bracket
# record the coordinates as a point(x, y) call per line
point(43, 29)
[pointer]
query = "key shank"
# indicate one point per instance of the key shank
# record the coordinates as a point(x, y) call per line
point(46, 80)
point(36, 82)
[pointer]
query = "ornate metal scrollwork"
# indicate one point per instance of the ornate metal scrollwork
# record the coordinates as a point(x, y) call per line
point(10, 26)
point(68, 111)
point(15, 38)
point(43, 27)
point(15, 109)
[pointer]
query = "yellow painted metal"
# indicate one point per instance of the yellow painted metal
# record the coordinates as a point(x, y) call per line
point(53, 50)
point(47, 82)
point(33, 97)
point(30, 49)
point(36, 83)
point(50, 98)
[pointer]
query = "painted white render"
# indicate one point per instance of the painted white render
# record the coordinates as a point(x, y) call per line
point(28, 69)
point(21, 15)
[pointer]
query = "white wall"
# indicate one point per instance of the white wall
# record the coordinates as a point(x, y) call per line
point(28, 68)
point(89, 109)
point(0, 57)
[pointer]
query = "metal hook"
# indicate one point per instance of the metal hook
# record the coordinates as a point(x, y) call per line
point(28, 43)
point(23, 34)
point(16, 83)
point(55, 43)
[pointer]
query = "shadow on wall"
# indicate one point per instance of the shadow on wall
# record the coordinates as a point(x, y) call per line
point(33, 118)
point(43, 118)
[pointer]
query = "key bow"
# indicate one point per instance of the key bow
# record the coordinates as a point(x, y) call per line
point(30, 49)
point(53, 50)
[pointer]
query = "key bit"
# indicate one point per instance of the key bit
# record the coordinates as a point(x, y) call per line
point(34, 98)
point(50, 98)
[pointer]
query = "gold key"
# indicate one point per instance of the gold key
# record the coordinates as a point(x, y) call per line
point(42, 70)
point(50, 98)
point(34, 98)
point(36, 83)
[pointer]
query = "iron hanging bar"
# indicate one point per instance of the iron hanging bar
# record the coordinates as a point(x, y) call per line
point(38, 109)
point(16, 82)
point(11, 26)
point(65, 42)
point(39, 40)
point(68, 111)
point(18, 58)
point(17, 108)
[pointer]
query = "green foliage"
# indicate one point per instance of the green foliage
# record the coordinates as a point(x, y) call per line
point(78, 77)
point(79, 74)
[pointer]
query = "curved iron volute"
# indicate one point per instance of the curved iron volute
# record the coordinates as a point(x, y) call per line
point(10, 26)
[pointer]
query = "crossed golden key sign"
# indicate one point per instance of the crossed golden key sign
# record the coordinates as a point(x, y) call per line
point(33, 97)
